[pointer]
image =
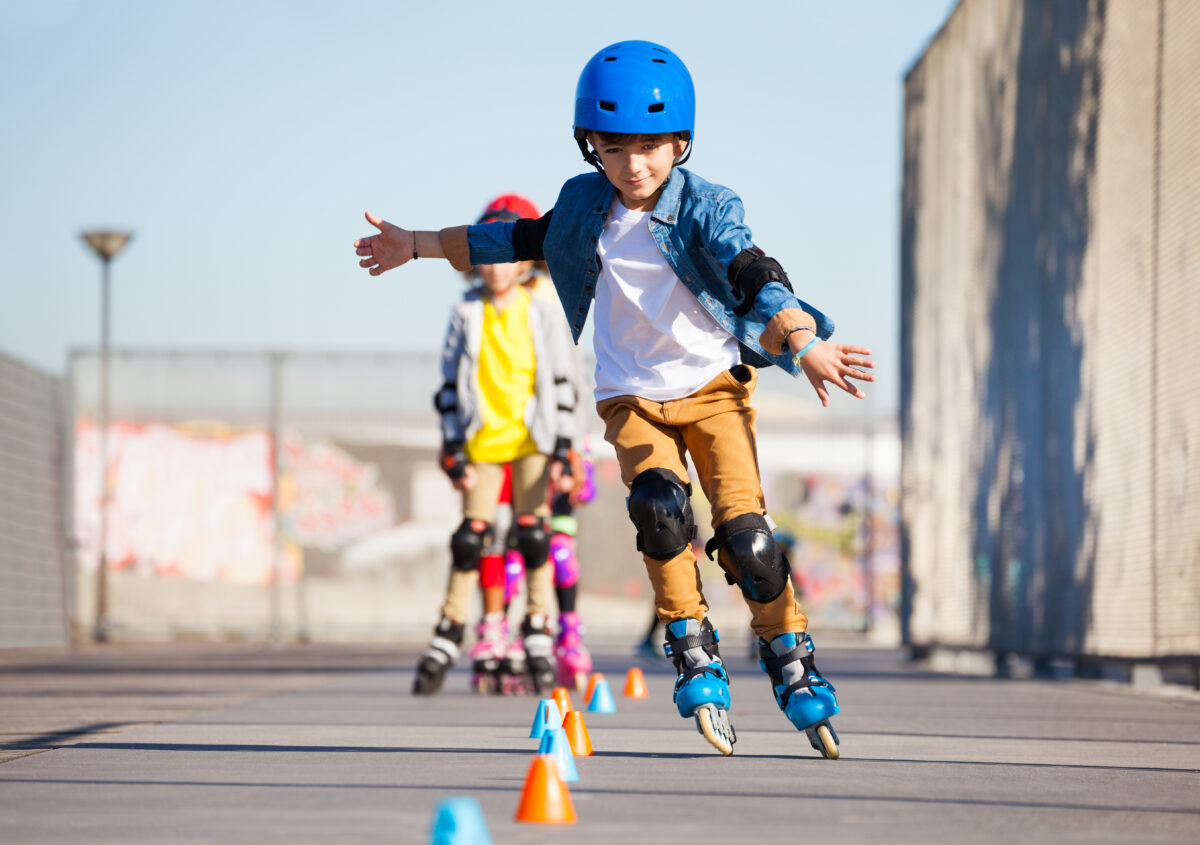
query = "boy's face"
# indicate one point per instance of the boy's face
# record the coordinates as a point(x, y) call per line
point(638, 169)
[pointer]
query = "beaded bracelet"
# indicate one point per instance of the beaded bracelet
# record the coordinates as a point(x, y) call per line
point(415, 256)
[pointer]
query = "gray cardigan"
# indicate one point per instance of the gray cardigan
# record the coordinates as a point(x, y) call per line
point(549, 414)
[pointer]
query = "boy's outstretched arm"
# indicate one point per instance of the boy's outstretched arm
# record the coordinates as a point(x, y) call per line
point(831, 362)
point(394, 246)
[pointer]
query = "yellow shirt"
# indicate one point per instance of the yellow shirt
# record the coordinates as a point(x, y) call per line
point(505, 378)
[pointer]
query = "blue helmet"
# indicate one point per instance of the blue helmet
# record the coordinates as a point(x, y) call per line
point(634, 87)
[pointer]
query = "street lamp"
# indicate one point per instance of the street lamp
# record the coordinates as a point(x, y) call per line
point(106, 245)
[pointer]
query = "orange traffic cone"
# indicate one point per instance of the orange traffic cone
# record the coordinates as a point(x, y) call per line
point(562, 697)
point(545, 798)
point(635, 684)
point(593, 679)
point(577, 734)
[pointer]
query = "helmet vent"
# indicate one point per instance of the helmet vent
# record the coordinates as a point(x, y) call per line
point(660, 61)
point(606, 105)
point(610, 58)
point(655, 107)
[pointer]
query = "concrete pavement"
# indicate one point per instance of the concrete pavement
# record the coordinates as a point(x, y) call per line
point(221, 743)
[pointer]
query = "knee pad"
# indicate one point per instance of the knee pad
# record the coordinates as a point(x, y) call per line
point(466, 544)
point(660, 507)
point(751, 558)
point(532, 540)
point(566, 565)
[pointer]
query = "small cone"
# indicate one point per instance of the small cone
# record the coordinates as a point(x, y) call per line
point(635, 684)
point(547, 716)
point(562, 697)
point(545, 799)
point(459, 821)
point(593, 679)
point(602, 699)
point(577, 734)
point(556, 745)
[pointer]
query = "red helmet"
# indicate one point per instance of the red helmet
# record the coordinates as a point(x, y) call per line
point(509, 207)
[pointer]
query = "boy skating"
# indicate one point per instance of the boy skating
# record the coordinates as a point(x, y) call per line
point(686, 309)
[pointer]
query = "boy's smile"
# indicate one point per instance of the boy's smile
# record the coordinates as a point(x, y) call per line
point(639, 167)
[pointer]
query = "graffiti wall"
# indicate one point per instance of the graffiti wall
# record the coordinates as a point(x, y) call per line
point(197, 502)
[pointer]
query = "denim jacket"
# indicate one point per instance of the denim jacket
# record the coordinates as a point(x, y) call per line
point(699, 229)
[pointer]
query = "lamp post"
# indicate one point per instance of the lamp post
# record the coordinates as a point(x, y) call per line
point(106, 245)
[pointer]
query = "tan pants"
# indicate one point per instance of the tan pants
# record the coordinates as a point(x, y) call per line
point(530, 481)
point(715, 425)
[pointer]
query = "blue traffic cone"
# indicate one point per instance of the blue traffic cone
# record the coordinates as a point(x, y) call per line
point(602, 699)
point(547, 716)
point(555, 743)
point(459, 821)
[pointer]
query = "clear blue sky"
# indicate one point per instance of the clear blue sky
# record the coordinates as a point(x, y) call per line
point(242, 140)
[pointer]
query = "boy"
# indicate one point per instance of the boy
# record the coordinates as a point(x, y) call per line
point(686, 309)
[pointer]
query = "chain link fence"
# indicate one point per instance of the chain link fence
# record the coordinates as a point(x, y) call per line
point(1050, 243)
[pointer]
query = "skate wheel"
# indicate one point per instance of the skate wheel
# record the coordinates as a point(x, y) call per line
point(716, 729)
point(829, 746)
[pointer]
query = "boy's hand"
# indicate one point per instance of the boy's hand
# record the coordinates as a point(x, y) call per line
point(392, 247)
point(832, 362)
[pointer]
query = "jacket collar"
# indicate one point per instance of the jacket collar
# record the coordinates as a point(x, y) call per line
point(667, 209)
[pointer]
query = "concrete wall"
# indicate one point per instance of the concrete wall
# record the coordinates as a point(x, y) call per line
point(32, 532)
point(1050, 247)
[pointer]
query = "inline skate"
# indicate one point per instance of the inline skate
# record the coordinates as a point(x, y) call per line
point(513, 677)
point(571, 656)
point(539, 653)
point(488, 653)
point(443, 650)
point(805, 697)
point(702, 688)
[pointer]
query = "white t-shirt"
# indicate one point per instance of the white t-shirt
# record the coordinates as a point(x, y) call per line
point(653, 337)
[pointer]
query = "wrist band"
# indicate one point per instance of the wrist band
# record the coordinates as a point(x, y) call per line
point(415, 256)
point(796, 358)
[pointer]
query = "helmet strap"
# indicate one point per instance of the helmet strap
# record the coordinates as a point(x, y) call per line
point(588, 156)
point(687, 136)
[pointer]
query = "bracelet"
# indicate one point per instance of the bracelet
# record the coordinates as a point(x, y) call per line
point(415, 256)
point(796, 358)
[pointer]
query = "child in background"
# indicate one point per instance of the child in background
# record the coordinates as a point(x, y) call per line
point(507, 397)
point(687, 307)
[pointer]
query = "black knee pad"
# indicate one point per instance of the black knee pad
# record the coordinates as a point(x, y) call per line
point(660, 507)
point(466, 544)
point(751, 558)
point(532, 540)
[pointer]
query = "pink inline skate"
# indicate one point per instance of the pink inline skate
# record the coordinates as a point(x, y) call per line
point(514, 676)
point(488, 654)
point(574, 664)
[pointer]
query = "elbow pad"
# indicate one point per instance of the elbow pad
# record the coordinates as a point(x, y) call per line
point(748, 272)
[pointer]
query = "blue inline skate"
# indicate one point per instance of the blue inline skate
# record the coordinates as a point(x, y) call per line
point(805, 697)
point(702, 688)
